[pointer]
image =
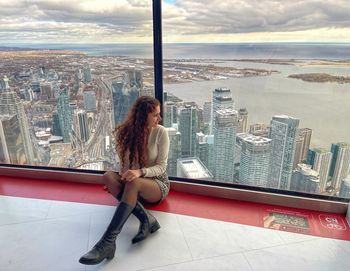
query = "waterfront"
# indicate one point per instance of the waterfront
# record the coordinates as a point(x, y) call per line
point(323, 107)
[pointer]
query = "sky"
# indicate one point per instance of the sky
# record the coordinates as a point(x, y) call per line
point(130, 21)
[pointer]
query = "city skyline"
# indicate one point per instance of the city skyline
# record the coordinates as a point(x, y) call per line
point(130, 21)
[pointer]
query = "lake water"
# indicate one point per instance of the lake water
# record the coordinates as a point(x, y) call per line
point(323, 107)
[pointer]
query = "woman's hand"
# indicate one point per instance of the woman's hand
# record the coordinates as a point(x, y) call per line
point(131, 175)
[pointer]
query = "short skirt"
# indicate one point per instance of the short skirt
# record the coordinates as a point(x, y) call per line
point(164, 184)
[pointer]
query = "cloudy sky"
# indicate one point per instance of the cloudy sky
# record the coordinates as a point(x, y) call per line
point(126, 21)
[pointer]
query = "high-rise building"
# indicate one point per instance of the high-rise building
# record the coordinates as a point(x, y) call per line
point(283, 133)
point(224, 144)
point(340, 163)
point(306, 133)
point(133, 78)
point(90, 100)
point(345, 188)
point(242, 120)
point(320, 161)
point(11, 142)
point(255, 160)
point(207, 112)
point(87, 75)
point(174, 149)
point(170, 114)
point(188, 129)
point(305, 179)
point(56, 128)
point(65, 115)
point(298, 153)
point(192, 168)
point(10, 104)
point(222, 99)
point(46, 92)
point(123, 97)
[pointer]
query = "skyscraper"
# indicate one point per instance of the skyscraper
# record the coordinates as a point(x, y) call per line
point(65, 115)
point(174, 149)
point(305, 179)
point(207, 112)
point(283, 133)
point(320, 161)
point(10, 104)
point(170, 114)
point(11, 142)
point(224, 144)
point(306, 133)
point(222, 99)
point(87, 75)
point(242, 120)
point(188, 129)
point(123, 97)
point(259, 129)
point(340, 163)
point(255, 160)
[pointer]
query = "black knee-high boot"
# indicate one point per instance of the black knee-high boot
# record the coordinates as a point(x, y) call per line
point(105, 248)
point(148, 223)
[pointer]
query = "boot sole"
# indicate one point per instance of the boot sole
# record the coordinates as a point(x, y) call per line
point(153, 229)
point(87, 262)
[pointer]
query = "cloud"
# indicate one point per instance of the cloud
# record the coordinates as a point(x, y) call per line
point(183, 20)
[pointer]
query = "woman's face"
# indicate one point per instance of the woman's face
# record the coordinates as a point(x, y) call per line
point(154, 117)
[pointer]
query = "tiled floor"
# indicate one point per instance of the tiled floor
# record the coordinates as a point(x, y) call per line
point(40, 235)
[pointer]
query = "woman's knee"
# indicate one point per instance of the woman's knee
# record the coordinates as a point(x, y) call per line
point(111, 178)
point(132, 186)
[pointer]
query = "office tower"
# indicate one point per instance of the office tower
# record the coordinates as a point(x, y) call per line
point(80, 125)
point(170, 114)
point(87, 75)
point(133, 78)
point(65, 115)
point(192, 168)
point(10, 104)
point(90, 100)
point(11, 141)
point(122, 97)
point(259, 129)
point(242, 120)
point(222, 99)
point(46, 92)
point(224, 144)
point(298, 153)
point(340, 163)
point(283, 133)
point(320, 161)
point(174, 149)
point(56, 128)
point(207, 112)
point(345, 188)
point(255, 160)
point(306, 134)
point(188, 129)
point(305, 179)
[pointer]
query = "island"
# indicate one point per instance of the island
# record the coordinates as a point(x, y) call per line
point(321, 78)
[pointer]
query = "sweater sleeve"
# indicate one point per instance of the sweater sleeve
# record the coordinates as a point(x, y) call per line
point(161, 162)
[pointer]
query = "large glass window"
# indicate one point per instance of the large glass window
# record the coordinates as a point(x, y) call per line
point(69, 72)
point(257, 93)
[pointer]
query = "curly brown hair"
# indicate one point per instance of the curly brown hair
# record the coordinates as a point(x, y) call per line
point(132, 135)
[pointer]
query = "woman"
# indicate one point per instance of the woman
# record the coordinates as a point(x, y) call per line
point(142, 145)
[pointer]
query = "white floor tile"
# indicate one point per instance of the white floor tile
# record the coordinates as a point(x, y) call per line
point(315, 255)
point(233, 262)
